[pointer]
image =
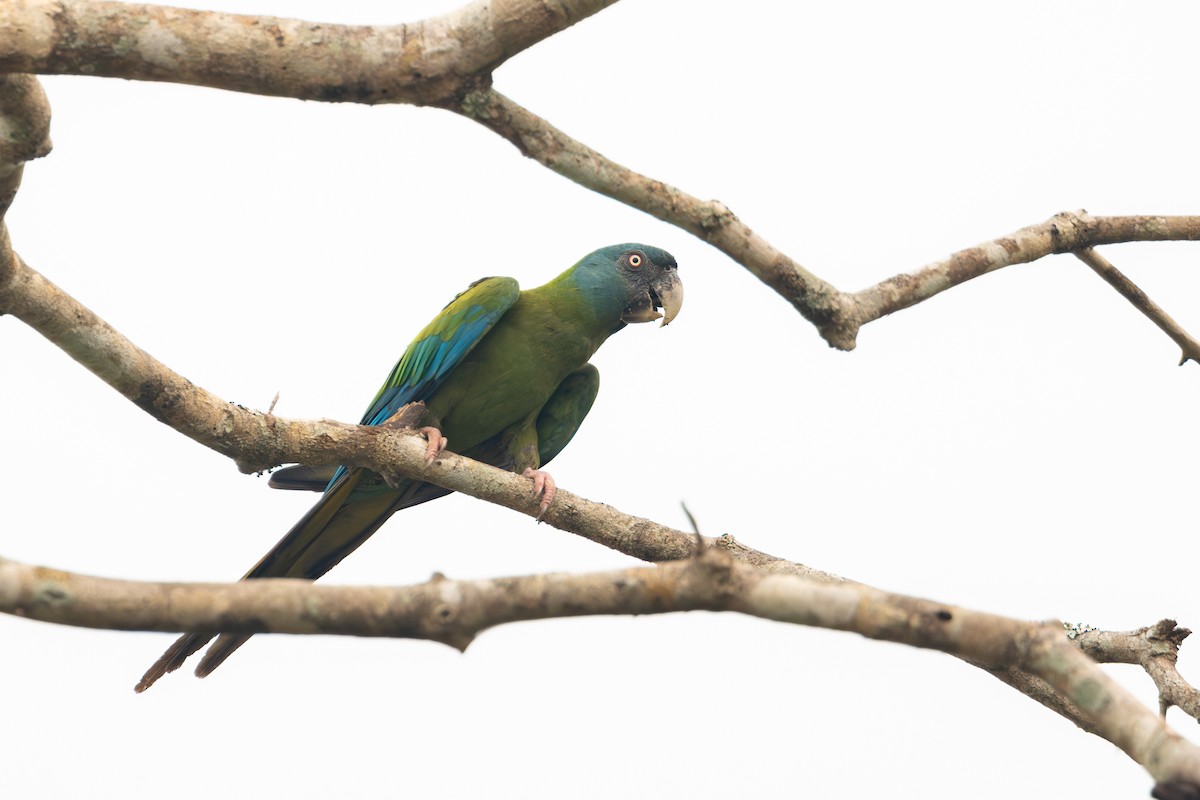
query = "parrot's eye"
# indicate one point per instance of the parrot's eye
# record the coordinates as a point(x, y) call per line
point(635, 260)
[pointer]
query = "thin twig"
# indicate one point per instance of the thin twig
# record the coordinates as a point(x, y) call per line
point(691, 519)
point(1142, 302)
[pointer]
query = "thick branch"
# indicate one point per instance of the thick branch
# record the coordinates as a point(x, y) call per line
point(422, 62)
point(454, 612)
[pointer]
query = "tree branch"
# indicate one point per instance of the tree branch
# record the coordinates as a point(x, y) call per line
point(1155, 649)
point(1130, 291)
point(1062, 233)
point(423, 62)
point(454, 612)
point(710, 221)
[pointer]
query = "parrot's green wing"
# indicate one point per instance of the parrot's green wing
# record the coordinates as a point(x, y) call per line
point(564, 411)
point(522, 445)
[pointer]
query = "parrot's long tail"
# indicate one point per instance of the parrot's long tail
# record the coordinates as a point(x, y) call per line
point(173, 659)
point(330, 531)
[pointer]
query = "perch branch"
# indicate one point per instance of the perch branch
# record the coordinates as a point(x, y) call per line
point(258, 441)
point(454, 612)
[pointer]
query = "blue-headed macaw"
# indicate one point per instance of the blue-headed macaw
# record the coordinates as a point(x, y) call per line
point(502, 373)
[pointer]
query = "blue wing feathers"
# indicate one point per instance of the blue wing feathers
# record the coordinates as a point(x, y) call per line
point(439, 348)
point(443, 343)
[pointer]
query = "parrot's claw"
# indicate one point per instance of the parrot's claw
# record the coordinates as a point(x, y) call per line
point(436, 443)
point(543, 486)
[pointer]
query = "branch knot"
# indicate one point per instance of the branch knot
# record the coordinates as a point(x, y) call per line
point(1067, 230)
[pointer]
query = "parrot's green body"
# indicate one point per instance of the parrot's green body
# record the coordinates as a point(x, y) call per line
point(502, 373)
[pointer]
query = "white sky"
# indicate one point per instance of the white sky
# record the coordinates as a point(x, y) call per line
point(1023, 444)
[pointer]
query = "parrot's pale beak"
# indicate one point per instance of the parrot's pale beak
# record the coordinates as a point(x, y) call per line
point(665, 292)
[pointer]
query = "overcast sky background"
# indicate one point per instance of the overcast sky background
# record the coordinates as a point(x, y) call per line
point(1023, 444)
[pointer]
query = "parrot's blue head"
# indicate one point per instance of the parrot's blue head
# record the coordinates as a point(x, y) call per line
point(644, 279)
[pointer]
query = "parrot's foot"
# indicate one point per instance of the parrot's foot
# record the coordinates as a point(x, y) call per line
point(543, 486)
point(436, 443)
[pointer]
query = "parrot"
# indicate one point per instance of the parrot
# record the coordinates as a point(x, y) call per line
point(502, 373)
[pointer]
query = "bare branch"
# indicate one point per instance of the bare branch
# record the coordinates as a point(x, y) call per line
point(1063, 233)
point(1038, 689)
point(1130, 291)
point(708, 220)
point(454, 612)
point(1037, 650)
point(1155, 649)
point(423, 62)
point(92, 342)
